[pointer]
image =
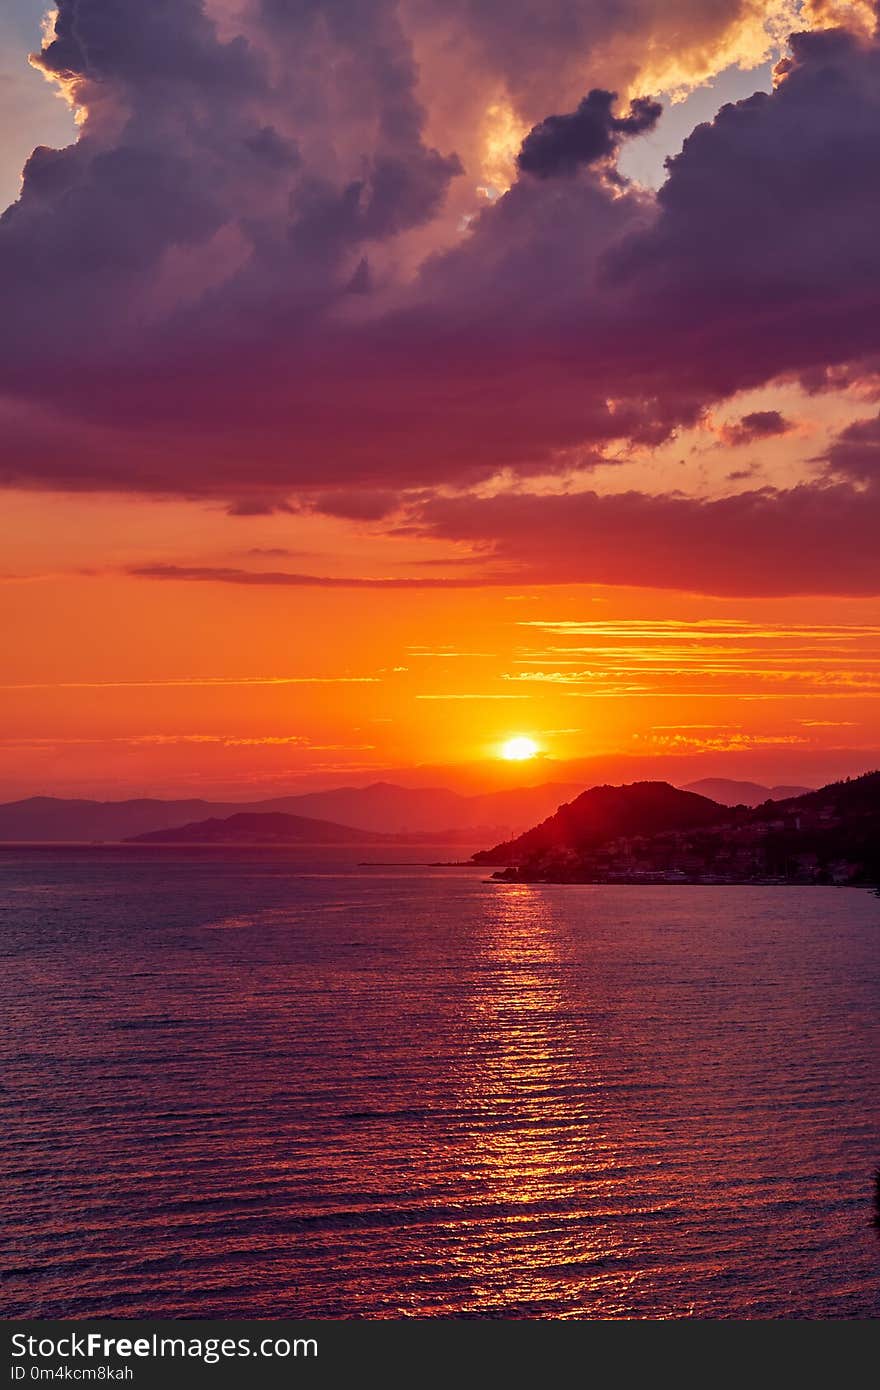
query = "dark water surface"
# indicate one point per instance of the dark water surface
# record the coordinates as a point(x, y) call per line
point(234, 1085)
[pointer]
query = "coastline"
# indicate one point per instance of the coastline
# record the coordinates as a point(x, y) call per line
point(674, 881)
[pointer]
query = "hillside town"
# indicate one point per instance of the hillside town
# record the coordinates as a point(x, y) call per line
point(827, 837)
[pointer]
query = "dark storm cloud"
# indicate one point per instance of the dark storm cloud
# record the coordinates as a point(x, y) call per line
point(561, 144)
point(177, 150)
point(224, 288)
point(402, 181)
point(768, 220)
point(138, 44)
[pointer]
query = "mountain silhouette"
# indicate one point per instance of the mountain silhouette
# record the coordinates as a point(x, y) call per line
point(650, 832)
point(261, 828)
point(381, 806)
point(604, 813)
point(728, 792)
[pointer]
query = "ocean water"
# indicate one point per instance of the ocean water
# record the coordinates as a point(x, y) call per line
point(246, 1085)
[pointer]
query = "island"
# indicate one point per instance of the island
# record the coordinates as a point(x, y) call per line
point(261, 828)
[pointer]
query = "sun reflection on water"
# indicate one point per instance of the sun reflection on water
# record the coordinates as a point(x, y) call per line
point(530, 1083)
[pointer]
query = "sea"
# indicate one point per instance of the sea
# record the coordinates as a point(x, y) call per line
point(274, 1084)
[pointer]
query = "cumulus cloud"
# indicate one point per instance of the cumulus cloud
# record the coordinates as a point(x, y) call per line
point(560, 145)
point(241, 281)
point(543, 57)
point(767, 222)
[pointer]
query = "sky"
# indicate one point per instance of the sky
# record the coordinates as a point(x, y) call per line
point(380, 381)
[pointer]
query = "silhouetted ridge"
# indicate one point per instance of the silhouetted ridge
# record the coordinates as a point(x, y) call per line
point(652, 833)
point(381, 806)
point(852, 796)
point(605, 813)
point(728, 792)
point(261, 828)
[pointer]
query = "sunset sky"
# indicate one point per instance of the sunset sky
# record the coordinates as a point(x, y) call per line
point(384, 379)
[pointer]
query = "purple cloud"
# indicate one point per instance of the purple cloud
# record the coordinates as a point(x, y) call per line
point(560, 145)
point(856, 451)
point(758, 425)
point(239, 283)
point(813, 538)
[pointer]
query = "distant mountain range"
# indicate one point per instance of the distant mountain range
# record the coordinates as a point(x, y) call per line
point(382, 808)
point(730, 793)
point(262, 828)
point(652, 832)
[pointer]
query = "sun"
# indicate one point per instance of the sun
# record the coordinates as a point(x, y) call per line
point(519, 749)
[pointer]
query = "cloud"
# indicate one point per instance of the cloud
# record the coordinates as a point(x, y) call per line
point(277, 552)
point(707, 659)
point(169, 740)
point(758, 425)
point(817, 537)
point(216, 574)
point(560, 145)
point(856, 451)
point(243, 282)
point(353, 505)
point(538, 55)
point(766, 237)
point(812, 538)
point(460, 696)
point(195, 681)
point(260, 506)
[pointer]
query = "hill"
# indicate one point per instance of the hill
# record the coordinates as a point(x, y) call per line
point(730, 793)
point(266, 828)
point(853, 797)
point(382, 806)
point(829, 836)
point(605, 813)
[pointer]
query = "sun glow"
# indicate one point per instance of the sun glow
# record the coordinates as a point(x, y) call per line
point(503, 133)
point(517, 750)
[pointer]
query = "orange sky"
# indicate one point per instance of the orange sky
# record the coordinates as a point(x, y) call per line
point(191, 477)
point(118, 685)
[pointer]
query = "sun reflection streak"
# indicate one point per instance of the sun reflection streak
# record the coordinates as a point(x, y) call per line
point(536, 1144)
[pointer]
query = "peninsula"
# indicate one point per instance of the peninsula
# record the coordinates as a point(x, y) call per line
point(650, 832)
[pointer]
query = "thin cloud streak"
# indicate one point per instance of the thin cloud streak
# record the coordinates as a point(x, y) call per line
point(720, 658)
point(186, 681)
point(459, 696)
point(209, 574)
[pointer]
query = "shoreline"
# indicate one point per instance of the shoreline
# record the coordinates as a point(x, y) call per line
point(660, 881)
